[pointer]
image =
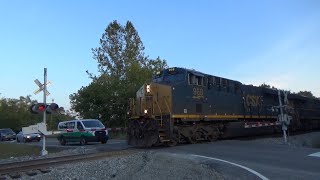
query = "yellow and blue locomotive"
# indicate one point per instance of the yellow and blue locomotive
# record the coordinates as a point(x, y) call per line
point(181, 105)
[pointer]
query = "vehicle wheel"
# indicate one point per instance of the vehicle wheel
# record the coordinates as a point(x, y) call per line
point(103, 141)
point(83, 141)
point(63, 141)
point(18, 140)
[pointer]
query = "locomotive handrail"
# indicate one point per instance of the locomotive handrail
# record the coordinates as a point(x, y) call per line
point(159, 110)
point(165, 100)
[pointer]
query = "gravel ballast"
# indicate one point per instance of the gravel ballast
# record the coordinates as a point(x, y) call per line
point(311, 140)
point(141, 165)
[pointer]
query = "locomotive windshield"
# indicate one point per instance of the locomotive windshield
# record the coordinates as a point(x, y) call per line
point(170, 75)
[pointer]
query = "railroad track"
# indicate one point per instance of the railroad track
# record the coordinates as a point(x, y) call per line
point(15, 169)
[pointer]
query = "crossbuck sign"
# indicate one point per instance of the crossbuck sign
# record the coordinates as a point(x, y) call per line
point(41, 87)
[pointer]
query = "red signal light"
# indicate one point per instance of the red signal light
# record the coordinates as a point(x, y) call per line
point(41, 108)
point(37, 108)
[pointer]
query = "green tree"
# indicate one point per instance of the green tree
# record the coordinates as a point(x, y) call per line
point(122, 67)
point(15, 114)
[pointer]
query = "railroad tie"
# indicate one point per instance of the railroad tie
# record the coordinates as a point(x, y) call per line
point(15, 175)
point(44, 170)
point(31, 173)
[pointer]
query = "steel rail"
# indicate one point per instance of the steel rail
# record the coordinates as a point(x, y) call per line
point(40, 164)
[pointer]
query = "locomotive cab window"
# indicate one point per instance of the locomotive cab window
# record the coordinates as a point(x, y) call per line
point(158, 77)
point(171, 75)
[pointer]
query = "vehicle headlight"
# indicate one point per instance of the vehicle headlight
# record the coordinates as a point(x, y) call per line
point(146, 111)
point(39, 136)
point(28, 136)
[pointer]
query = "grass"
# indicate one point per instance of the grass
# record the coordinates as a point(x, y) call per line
point(8, 150)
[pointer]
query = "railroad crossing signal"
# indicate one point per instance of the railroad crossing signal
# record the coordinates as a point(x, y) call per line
point(41, 87)
point(41, 107)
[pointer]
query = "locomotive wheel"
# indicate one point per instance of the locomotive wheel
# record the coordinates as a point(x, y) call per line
point(212, 138)
point(171, 143)
point(192, 139)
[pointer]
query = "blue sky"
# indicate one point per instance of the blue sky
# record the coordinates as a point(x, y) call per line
point(254, 42)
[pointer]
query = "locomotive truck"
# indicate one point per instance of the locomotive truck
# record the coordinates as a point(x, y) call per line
point(181, 105)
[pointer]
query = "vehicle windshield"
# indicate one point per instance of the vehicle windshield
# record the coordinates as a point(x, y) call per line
point(93, 123)
point(6, 131)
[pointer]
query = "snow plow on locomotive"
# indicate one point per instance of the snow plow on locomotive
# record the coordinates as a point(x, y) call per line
point(180, 105)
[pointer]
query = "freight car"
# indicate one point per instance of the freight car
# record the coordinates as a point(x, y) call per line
point(181, 105)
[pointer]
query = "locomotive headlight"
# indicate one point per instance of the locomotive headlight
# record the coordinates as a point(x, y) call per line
point(148, 88)
point(146, 111)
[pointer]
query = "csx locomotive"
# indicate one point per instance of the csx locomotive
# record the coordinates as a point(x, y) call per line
point(181, 105)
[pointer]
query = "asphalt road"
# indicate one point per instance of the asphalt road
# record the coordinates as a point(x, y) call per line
point(236, 159)
point(252, 160)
